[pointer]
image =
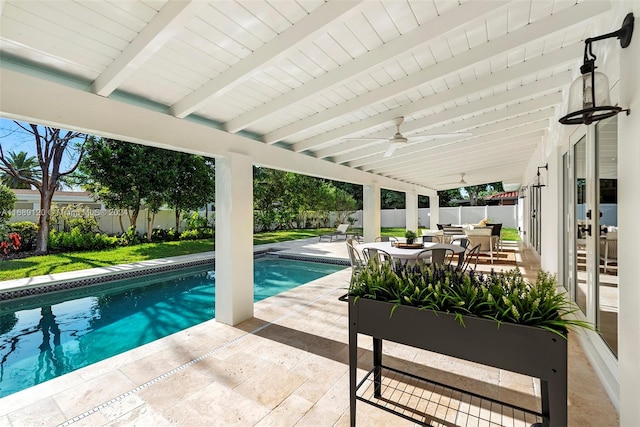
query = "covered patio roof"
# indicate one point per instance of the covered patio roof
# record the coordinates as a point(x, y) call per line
point(290, 83)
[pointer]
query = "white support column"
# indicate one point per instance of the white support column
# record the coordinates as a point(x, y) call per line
point(411, 211)
point(434, 212)
point(371, 212)
point(234, 239)
point(629, 226)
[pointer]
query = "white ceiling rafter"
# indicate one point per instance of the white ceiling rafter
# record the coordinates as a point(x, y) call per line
point(169, 21)
point(513, 40)
point(414, 160)
point(493, 155)
point(302, 77)
point(267, 54)
point(516, 72)
point(384, 53)
point(402, 153)
point(474, 107)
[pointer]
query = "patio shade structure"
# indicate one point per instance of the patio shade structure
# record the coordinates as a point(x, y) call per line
point(297, 85)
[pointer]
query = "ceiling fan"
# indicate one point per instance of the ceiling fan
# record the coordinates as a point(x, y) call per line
point(398, 140)
point(460, 183)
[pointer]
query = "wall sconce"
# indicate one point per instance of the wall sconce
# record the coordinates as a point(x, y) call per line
point(589, 94)
point(522, 192)
point(539, 181)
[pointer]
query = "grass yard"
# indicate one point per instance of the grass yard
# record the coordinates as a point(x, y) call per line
point(72, 261)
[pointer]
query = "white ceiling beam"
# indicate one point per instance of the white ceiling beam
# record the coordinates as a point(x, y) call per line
point(266, 55)
point(171, 19)
point(375, 154)
point(523, 69)
point(455, 18)
point(473, 107)
point(487, 158)
point(470, 108)
point(417, 158)
point(538, 29)
point(71, 108)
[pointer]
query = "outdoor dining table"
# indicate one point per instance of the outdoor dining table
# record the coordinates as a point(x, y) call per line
point(410, 253)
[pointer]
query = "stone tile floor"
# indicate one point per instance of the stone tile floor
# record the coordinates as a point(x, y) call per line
point(287, 366)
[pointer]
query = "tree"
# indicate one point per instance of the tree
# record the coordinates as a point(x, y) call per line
point(26, 166)
point(446, 197)
point(7, 203)
point(194, 185)
point(126, 176)
point(477, 191)
point(113, 172)
point(52, 145)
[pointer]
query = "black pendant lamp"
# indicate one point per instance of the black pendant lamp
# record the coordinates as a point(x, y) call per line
point(589, 99)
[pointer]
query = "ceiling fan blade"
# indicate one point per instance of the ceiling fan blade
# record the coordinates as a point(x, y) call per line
point(428, 136)
point(390, 150)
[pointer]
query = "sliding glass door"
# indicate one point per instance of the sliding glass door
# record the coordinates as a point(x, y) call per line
point(591, 228)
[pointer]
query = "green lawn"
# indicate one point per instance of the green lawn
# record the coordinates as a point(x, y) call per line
point(507, 233)
point(71, 261)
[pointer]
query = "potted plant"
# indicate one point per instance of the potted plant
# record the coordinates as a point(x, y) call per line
point(410, 236)
point(496, 319)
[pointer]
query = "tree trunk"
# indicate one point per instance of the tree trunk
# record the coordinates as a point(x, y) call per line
point(177, 221)
point(121, 224)
point(133, 218)
point(44, 217)
point(150, 218)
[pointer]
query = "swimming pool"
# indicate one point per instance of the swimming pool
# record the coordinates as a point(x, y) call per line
point(48, 335)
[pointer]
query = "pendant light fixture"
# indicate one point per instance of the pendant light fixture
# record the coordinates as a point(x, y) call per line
point(589, 94)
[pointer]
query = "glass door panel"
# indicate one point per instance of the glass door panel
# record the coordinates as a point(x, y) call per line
point(607, 289)
point(567, 228)
point(580, 238)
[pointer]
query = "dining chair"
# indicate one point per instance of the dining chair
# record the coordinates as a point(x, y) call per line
point(429, 239)
point(386, 239)
point(468, 257)
point(434, 256)
point(376, 255)
point(357, 263)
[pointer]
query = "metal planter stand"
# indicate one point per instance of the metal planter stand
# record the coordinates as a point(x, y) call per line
point(523, 349)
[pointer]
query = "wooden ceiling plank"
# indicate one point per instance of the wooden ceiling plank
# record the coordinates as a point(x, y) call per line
point(266, 55)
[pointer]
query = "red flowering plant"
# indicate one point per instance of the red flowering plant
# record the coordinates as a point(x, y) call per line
point(12, 244)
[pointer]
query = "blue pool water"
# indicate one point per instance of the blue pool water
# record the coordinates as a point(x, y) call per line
point(49, 335)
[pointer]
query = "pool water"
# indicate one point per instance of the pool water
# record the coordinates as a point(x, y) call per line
point(45, 336)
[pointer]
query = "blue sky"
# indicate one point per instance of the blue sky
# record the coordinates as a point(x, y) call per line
point(14, 138)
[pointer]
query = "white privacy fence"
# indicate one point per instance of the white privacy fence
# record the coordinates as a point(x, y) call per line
point(507, 215)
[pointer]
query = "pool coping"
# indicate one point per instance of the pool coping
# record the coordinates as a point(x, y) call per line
point(18, 288)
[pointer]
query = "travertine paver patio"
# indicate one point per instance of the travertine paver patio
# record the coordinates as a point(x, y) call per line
point(286, 366)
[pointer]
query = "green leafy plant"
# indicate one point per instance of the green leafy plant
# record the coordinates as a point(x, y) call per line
point(502, 297)
point(410, 236)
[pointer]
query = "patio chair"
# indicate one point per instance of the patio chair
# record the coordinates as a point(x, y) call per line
point(386, 239)
point(483, 238)
point(376, 255)
point(341, 230)
point(357, 263)
point(468, 257)
point(496, 233)
point(609, 249)
point(430, 239)
point(437, 256)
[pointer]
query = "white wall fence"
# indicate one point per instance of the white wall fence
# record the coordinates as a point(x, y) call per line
point(507, 215)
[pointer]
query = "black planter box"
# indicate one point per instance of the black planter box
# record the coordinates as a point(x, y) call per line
point(523, 349)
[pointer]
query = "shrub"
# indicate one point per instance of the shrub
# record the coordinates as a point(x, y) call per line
point(76, 240)
point(12, 244)
point(28, 231)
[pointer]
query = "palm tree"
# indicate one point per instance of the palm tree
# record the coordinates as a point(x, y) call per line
point(28, 167)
